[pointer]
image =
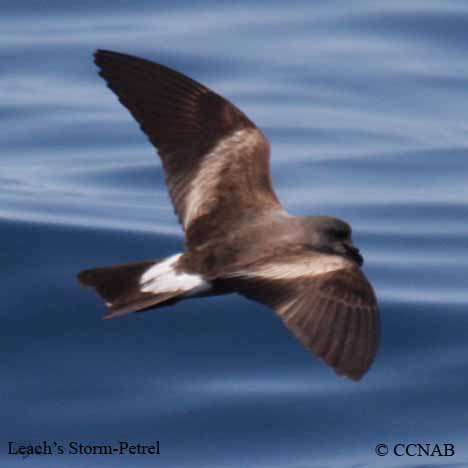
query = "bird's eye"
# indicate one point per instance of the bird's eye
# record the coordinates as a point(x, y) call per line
point(341, 234)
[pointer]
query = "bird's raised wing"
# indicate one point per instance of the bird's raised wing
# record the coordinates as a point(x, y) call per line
point(324, 300)
point(215, 159)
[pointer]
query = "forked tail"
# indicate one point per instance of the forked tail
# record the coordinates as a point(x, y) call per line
point(134, 287)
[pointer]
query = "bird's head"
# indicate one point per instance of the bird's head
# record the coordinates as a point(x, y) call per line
point(332, 235)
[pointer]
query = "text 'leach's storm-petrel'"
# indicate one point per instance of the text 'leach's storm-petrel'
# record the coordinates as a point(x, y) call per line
point(238, 237)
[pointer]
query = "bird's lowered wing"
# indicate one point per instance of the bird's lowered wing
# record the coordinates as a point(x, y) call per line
point(215, 159)
point(324, 300)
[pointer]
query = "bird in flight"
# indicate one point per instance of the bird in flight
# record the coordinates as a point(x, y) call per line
point(238, 237)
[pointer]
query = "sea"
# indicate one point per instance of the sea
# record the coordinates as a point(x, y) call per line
point(365, 104)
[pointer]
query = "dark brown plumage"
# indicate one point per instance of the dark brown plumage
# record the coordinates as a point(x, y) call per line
point(238, 237)
point(186, 121)
point(333, 314)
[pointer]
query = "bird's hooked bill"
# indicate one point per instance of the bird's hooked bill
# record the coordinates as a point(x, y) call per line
point(354, 253)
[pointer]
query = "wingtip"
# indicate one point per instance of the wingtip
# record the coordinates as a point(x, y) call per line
point(100, 55)
point(354, 376)
point(98, 52)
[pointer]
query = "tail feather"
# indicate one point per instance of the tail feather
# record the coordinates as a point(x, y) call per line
point(120, 287)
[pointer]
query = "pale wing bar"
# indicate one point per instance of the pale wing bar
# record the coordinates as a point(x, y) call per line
point(215, 159)
point(330, 307)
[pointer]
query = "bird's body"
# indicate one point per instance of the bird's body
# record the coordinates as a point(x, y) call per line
point(238, 236)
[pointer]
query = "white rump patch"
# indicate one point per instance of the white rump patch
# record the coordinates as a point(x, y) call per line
point(161, 278)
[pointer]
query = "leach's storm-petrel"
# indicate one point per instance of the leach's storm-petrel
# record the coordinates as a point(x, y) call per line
point(238, 237)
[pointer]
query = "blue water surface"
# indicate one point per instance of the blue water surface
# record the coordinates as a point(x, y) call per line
point(365, 104)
